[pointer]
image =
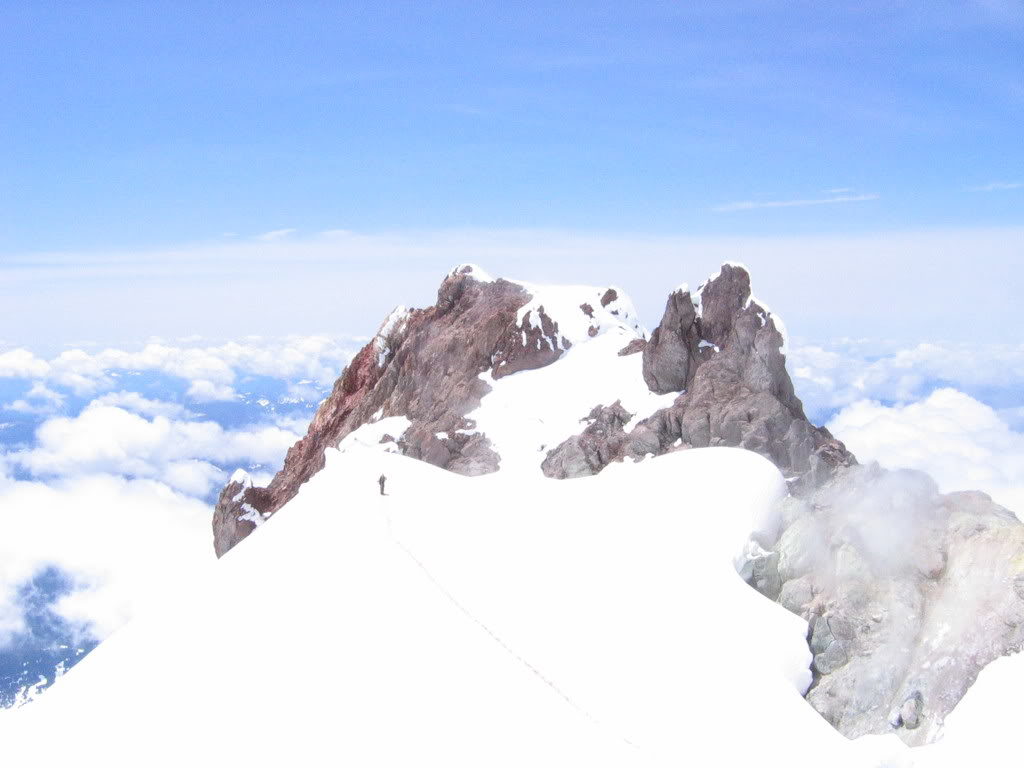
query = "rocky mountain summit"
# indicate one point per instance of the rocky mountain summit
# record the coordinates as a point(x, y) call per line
point(722, 351)
point(907, 593)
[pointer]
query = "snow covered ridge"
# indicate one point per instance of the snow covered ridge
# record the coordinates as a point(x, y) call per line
point(444, 649)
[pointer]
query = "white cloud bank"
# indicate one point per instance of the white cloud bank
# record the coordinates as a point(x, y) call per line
point(40, 399)
point(118, 504)
point(960, 442)
point(120, 541)
point(136, 403)
point(850, 371)
point(211, 370)
point(105, 439)
point(22, 364)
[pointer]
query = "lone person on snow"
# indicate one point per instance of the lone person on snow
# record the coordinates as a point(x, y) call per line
point(380, 481)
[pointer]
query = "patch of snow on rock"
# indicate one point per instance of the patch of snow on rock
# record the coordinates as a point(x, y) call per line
point(564, 304)
point(531, 412)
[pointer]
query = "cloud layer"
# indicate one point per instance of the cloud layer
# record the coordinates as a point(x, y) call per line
point(105, 439)
point(828, 378)
point(115, 494)
point(912, 285)
point(211, 370)
point(960, 442)
point(120, 541)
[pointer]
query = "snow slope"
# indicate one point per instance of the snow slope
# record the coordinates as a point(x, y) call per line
point(458, 621)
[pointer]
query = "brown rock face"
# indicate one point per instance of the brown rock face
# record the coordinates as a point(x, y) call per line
point(423, 364)
point(672, 355)
point(727, 358)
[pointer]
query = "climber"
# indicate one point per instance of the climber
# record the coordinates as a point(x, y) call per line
point(380, 481)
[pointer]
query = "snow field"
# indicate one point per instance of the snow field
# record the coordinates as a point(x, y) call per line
point(459, 621)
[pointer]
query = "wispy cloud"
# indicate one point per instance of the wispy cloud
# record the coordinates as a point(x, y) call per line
point(998, 186)
point(346, 281)
point(751, 205)
point(275, 234)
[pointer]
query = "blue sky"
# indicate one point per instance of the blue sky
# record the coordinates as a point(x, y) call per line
point(132, 125)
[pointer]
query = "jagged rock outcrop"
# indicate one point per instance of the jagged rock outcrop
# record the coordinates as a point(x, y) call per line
point(593, 448)
point(671, 356)
point(722, 350)
point(424, 365)
point(908, 594)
